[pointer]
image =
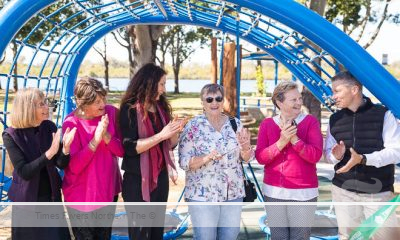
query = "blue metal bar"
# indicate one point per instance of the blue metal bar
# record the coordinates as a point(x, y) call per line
point(14, 15)
point(276, 73)
point(287, 12)
point(327, 36)
point(3, 167)
point(260, 198)
point(238, 63)
point(79, 3)
point(274, 51)
point(60, 25)
point(39, 48)
point(125, 8)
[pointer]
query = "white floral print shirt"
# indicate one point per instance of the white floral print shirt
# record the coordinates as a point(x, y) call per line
point(218, 180)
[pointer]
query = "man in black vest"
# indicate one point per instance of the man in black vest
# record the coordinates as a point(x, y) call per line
point(363, 141)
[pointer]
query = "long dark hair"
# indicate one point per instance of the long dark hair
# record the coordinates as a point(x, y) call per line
point(143, 88)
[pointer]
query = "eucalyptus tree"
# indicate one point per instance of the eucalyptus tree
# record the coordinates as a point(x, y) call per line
point(182, 42)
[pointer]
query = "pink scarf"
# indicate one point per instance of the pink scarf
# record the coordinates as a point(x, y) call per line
point(149, 158)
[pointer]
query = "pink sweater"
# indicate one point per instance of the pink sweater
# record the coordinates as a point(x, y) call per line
point(92, 176)
point(295, 166)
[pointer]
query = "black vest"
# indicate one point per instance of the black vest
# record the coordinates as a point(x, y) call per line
point(33, 145)
point(361, 130)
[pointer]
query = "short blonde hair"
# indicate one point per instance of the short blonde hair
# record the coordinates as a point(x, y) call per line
point(86, 91)
point(23, 114)
point(280, 90)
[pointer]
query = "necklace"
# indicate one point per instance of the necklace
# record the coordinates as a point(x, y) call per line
point(217, 123)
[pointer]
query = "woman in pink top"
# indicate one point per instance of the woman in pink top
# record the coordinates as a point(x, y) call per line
point(289, 145)
point(93, 174)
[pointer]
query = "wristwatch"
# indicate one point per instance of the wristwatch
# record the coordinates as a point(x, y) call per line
point(363, 160)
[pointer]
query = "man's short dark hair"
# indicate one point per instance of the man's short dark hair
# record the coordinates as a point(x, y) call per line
point(348, 78)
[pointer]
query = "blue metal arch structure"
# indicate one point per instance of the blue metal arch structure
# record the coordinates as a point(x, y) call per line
point(289, 32)
point(282, 28)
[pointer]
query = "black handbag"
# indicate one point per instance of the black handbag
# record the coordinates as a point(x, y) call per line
point(249, 188)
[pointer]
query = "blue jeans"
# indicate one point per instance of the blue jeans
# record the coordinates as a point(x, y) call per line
point(212, 222)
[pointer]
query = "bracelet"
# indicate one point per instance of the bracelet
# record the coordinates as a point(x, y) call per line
point(248, 150)
point(298, 140)
point(65, 153)
point(92, 146)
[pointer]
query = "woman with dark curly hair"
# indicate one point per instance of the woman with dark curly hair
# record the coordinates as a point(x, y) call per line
point(149, 134)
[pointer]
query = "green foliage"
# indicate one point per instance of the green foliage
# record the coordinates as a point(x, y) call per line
point(260, 81)
point(44, 27)
point(183, 40)
point(347, 10)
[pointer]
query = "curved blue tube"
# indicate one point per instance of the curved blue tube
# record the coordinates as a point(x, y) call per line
point(365, 68)
point(14, 15)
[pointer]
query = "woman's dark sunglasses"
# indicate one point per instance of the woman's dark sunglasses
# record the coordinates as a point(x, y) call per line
point(211, 99)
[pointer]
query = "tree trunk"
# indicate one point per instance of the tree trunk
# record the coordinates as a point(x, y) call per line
point(15, 70)
point(229, 79)
point(311, 103)
point(144, 39)
point(106, 66)
point(106, 74)
point(214, 60)
point(176, 77)
point(162, 61)
point(259, 61)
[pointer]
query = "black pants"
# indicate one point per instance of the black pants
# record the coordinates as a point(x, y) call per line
point(94, 225)
point(26, 216)
point(140, 229)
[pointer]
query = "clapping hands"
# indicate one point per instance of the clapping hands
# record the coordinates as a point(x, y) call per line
point(101, 130)
point(338, 150)
point(182, 122)
point(68, 137)
point(354, 160)
point(288, 132)
point(173, 127)
point(55, 145)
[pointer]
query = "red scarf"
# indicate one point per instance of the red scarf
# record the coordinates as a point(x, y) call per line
point(149, 158)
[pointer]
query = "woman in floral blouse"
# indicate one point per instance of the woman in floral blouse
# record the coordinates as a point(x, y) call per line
point(210, 152)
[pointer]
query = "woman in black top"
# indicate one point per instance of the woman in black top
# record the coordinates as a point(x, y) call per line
point(33, 145)
point(148, 137)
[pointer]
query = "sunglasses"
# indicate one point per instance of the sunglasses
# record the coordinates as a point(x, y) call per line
point(211, 99)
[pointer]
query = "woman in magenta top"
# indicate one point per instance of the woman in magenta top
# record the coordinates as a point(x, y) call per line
point(93, 174)
point(289, 145)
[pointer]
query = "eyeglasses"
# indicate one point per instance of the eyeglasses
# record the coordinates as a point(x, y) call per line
point(44, 103)
point(211, 99)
